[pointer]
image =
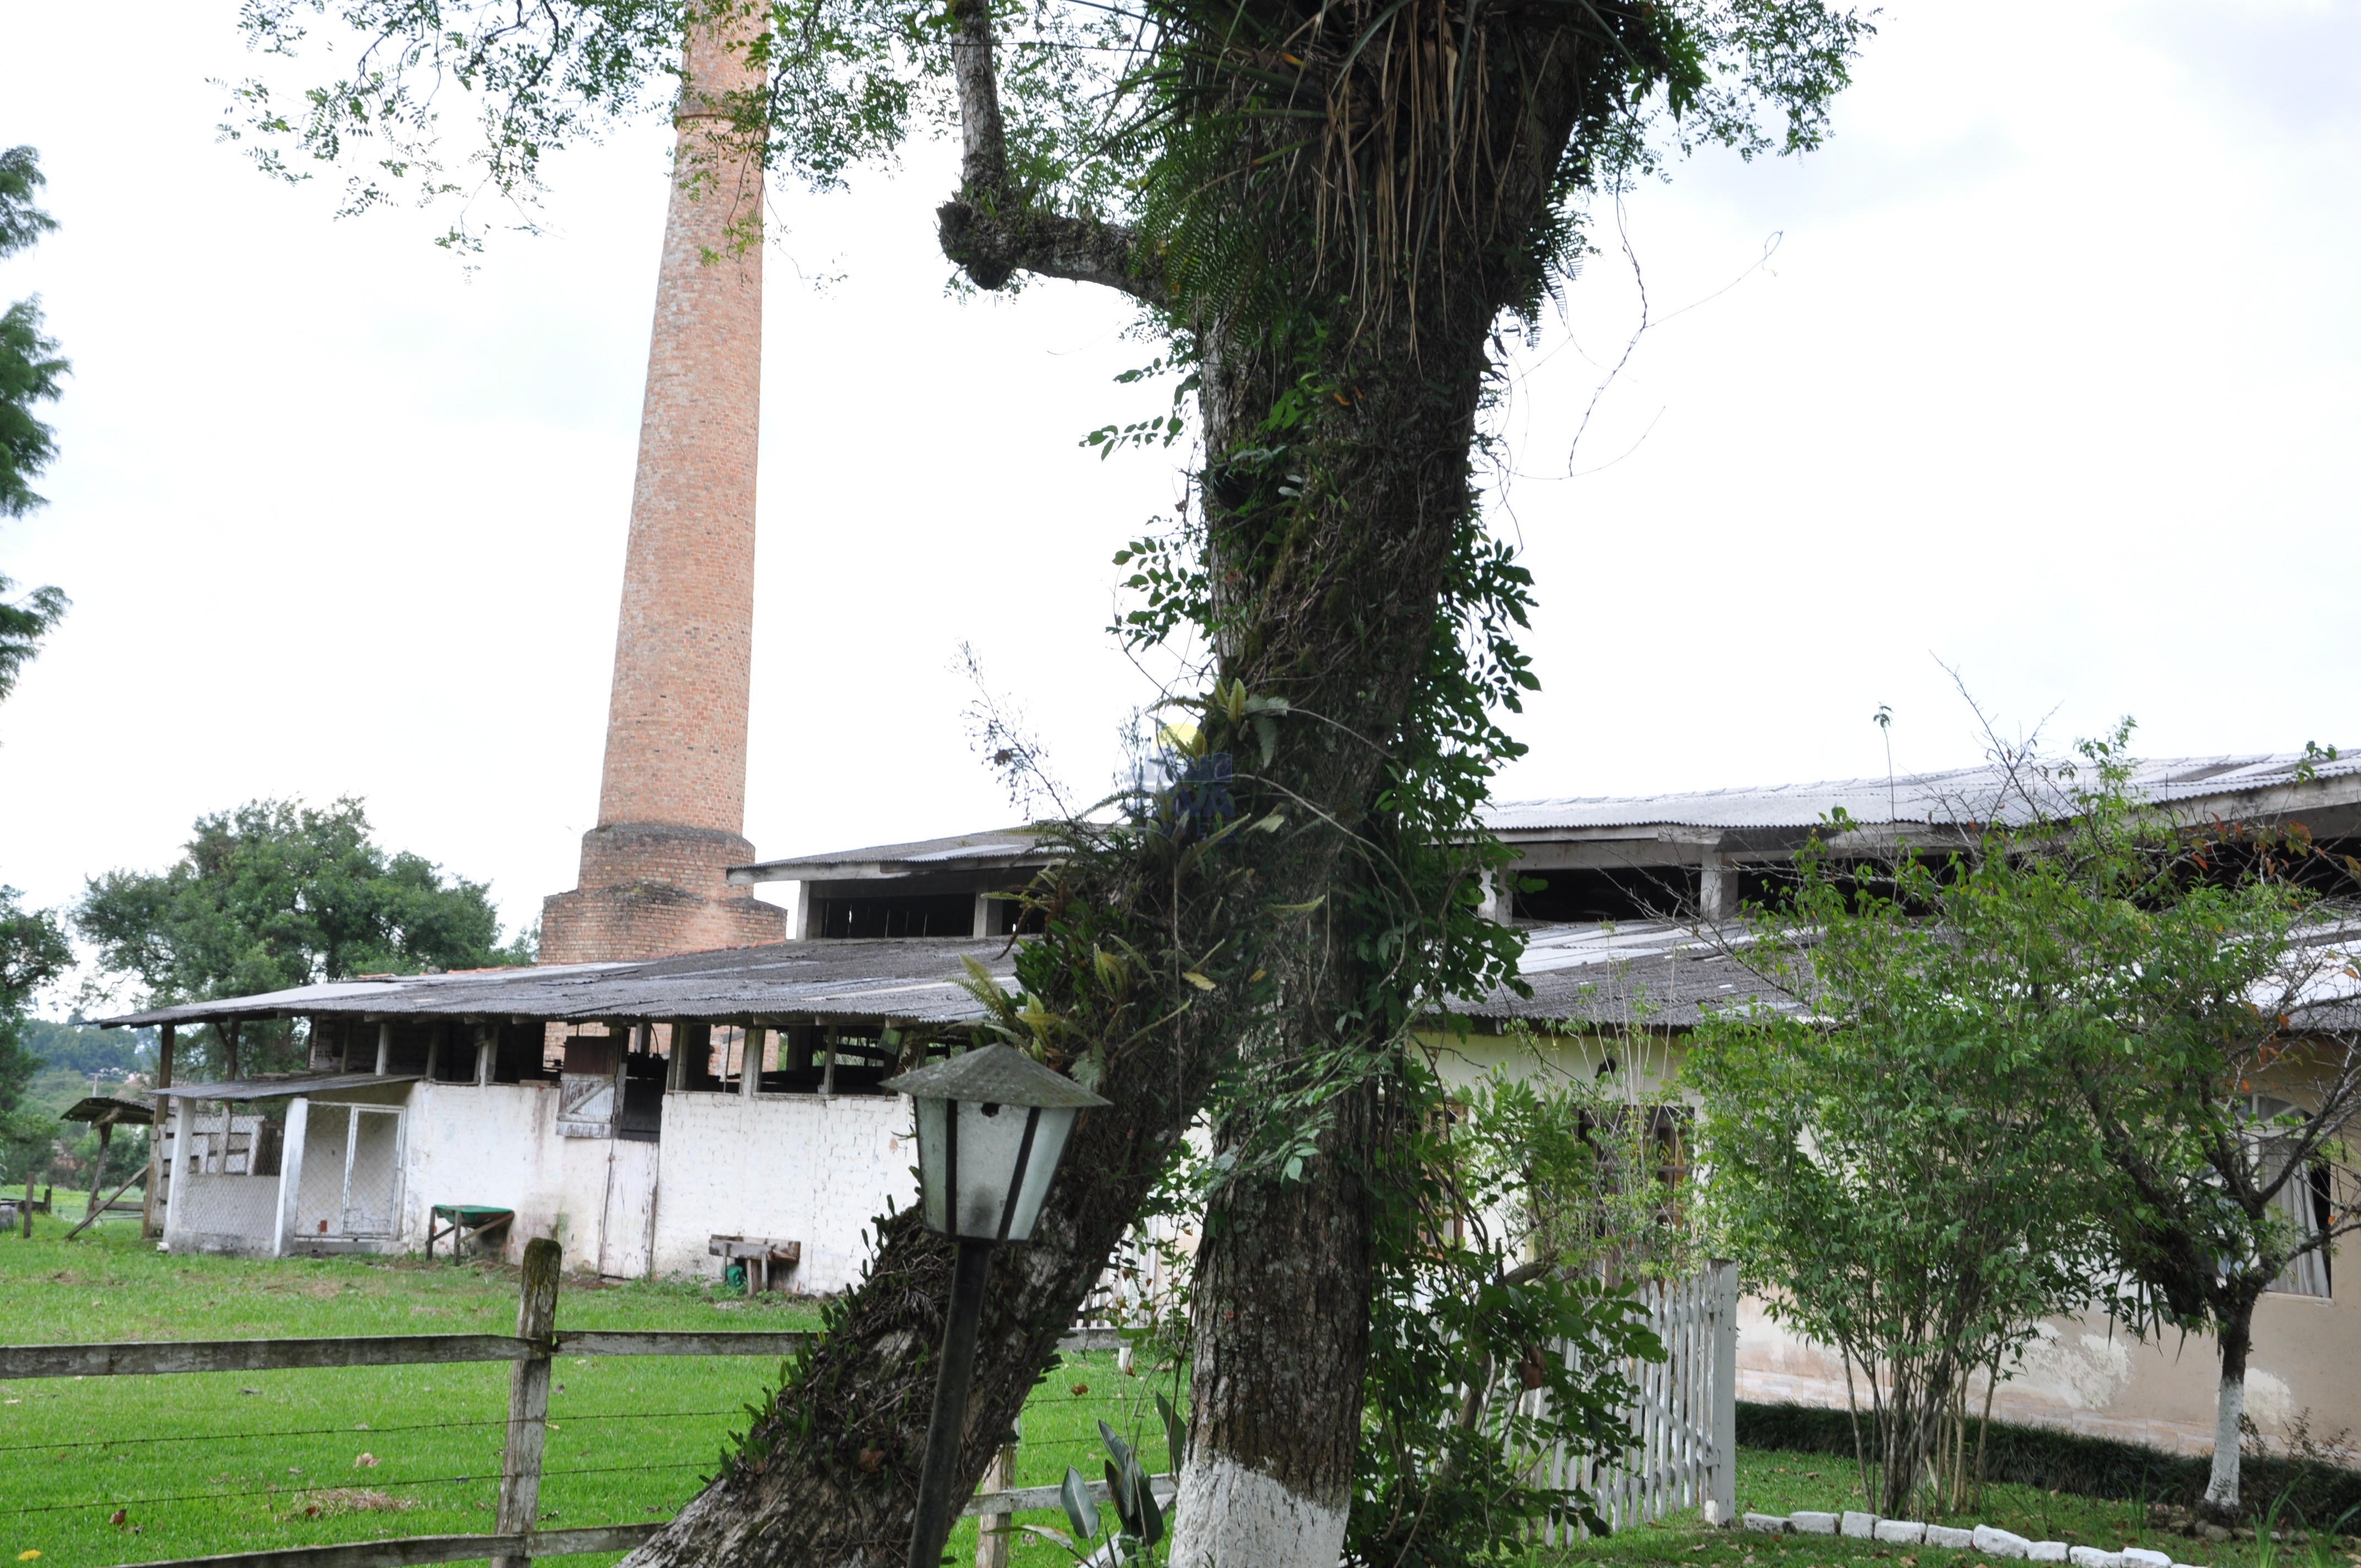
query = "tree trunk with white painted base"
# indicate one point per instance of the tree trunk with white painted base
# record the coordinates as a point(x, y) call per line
point(2221, 1486)
point(1281, 1339)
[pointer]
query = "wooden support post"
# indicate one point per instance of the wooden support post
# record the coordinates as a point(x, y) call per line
point(435, 1049)
point(528, 1397)
point(1720, 1506)
point(149, 1221)
point(230, 1046)
point(750, 1061)
point(183, 1126)
point(993, 1530)
point(488, 1044)
point(827, 1067)
point(97, 1174)
point(384, 1046)
point(676, 1056)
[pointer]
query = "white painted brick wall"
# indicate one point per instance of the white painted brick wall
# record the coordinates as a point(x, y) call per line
point(789, 1167)
point(492, 1144)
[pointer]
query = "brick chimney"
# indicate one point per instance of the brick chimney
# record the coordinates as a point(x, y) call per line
point(671, 799)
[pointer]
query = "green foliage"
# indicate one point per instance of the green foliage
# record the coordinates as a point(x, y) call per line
point(276, 894)
point(1489, 1344)
point(81, 1049)
point(1893, 1165)
point(32, 952)
point(29, 372)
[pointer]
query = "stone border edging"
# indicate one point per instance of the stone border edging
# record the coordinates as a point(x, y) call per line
point(1981, 1537)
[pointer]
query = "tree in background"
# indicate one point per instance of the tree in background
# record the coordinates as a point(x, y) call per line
point(1324, 214)
point(29, 370)
point(275, 894)
point(79, 1048)
point(32, 952)
point(2200, 994)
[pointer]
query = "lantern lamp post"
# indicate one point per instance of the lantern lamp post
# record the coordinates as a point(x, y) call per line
point(992, 1127)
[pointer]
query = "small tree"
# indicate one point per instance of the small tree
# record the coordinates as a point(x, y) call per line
point(2206, 1035)
point(277, 894)
point(1890, 1160)
point(32, 952)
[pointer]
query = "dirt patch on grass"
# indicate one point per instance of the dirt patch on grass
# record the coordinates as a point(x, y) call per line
point(332, 1501)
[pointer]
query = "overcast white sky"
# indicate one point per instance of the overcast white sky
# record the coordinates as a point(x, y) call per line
point(2051, 375)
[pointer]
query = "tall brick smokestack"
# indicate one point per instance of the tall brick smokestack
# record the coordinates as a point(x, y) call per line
point(671, 799)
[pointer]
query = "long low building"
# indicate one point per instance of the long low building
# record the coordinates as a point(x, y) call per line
point(635, 1111)
point(641, 1110)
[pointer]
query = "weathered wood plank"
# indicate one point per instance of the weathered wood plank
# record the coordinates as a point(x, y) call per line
point(142, 1358)
point(678, 1342)
point(423, 1548)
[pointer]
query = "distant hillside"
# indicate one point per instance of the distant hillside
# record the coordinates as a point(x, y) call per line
point(78, 1048)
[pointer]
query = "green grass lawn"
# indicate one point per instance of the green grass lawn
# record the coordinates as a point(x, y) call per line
point(1782, 1483)
point(211, 1463)
point(207, 1463)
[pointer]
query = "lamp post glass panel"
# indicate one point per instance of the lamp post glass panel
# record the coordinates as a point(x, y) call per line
point(992, 1127)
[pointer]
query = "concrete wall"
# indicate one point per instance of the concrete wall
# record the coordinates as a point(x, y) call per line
point(232, 1214)
point(2081, 1374)
point(790, 1166)
point(491, 1144)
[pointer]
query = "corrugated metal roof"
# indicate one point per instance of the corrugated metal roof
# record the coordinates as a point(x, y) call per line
point(275, 1086)
point(1626, 974)
point(914, 980)
point(1959, 795)
point(1000, 848)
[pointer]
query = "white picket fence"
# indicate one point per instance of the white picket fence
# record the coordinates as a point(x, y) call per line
point(1684, 1415)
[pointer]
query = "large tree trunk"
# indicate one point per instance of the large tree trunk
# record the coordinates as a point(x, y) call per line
point(1166, 957)
point(1282, 1330)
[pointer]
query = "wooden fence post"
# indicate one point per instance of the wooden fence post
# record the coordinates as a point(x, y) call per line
point(993, 1530)
point(1721, 1496)
point(528, 1397)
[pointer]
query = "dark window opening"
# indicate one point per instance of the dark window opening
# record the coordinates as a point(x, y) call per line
point(1654, 893)
point(863, 1060)
point(455, 1062)
point(642, 1116)
point(518, 1056)
point(696, 1067)
point(924, 915)
point(1009, 918)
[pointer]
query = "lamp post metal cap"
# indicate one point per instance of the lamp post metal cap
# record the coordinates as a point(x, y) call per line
point(996, 1075)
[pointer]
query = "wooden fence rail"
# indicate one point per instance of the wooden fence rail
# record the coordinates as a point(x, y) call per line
point(530, 1351)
